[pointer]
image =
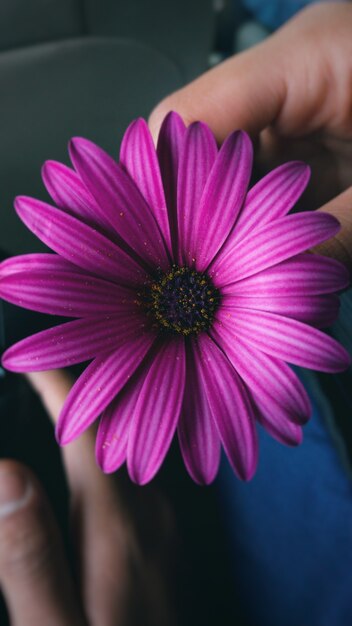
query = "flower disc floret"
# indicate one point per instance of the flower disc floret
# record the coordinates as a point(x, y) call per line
point(183, 300)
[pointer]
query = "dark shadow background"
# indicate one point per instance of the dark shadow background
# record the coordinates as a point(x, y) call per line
point(89, 67)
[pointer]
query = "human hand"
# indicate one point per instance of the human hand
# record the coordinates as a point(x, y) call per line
point(117, 583)
point(292, 93)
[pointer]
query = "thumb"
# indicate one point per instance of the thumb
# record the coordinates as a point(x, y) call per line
point(340, 246)
point(291, 81)
point(246, 91)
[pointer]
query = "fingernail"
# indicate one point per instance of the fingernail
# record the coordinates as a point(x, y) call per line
point(15, 492)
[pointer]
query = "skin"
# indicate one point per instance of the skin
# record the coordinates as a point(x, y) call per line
point(116, 582)
point(293, 94)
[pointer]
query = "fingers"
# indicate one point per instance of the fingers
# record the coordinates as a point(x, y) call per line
point(292, 81)
point(236, 94)
point(79, 456)
point(340, 246)
point(34, 576)
point(102, 534)
point(52, 387)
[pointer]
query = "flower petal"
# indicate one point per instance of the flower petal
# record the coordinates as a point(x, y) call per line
point(78, 243)
point(303, 274)
point(100, 382)
point(197, 433)
point(138, 157)
point(230, 405)
point(170, 142)
point(271, 244)
point(64, 293)
point(272, 197)
point(157, 411)
point(41, 261)
point(318, 311)
point(269, 379)
point(198, 155)
point(276, 424)
point(285, 339)
point(120, 202)
point(114, 426)
point(222, 199)
point(69, 193)
point(72, 342)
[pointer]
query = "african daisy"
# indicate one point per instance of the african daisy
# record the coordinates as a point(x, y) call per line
point(191, 296)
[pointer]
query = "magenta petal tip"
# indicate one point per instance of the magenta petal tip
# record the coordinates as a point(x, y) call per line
point(103, 463)
point(346, 361)
point(59, 436)
point(247, 473)
point(19, 202)
point(80, 144)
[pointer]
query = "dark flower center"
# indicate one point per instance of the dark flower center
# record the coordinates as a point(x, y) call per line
point(183, 301)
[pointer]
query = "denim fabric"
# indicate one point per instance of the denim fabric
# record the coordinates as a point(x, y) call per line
point(290, 531)
point(273, 13)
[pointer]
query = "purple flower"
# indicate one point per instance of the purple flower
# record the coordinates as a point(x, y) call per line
point(190, 294)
